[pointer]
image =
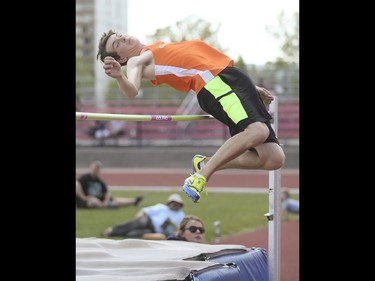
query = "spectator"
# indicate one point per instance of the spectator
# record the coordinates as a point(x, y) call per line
point(289, 205)
point(191, 229)
point(92, 191)
point(99, 131)
point(158, 218)
point(116, 128)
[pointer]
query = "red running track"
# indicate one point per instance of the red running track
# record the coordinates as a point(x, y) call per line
point(289, 246)
point(176, 177)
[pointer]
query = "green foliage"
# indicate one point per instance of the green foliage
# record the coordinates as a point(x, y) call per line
point(238, 212)
point(240, 63)
point(192, 27)
point(287, 31)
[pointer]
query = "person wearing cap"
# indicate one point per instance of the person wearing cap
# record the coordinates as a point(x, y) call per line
point(160, 218)
point(92, 191)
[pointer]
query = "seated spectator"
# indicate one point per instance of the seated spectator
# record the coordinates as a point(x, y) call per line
point(159, 218)
point(191, 229)
point(116, 128)
point(92, 191)
point(289, 205)
point(98, 129)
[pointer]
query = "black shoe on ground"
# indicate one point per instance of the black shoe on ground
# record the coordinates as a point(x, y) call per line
point(138, 200)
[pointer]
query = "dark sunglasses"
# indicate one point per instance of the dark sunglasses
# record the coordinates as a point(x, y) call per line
point(194, 229)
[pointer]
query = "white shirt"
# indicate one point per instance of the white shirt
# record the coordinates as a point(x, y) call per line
point(159, 213)
point(291, 205)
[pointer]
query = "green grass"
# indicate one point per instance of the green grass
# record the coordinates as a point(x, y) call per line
point(238, 212)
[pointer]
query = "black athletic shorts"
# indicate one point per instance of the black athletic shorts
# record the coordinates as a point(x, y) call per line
point(232, 98)
point(81, 203)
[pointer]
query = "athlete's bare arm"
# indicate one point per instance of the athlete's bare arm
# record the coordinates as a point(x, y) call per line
point(141, 67)
point(138, 68)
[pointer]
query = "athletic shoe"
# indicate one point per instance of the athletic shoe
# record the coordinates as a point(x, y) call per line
point(193, 187)
point(138, 200)
point(197, 162)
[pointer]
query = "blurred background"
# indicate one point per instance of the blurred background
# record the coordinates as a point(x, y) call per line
point(262, 37)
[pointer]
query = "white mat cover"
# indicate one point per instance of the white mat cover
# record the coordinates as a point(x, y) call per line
point(102, 259)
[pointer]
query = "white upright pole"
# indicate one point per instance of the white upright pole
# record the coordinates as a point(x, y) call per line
point(273, 215)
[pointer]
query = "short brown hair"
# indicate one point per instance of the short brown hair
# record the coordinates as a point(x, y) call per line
point(102, 53)
point(188, 218)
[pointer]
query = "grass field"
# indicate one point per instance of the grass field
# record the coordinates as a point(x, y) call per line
point(238, 212)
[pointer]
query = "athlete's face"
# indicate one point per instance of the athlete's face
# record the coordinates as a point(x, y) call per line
point(193, 231)
point(124, 45)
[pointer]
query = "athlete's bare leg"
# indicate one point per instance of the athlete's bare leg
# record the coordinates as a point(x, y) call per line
point(234, 153)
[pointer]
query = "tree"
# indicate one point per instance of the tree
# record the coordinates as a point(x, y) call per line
point(288, 33)
point(240, 63)
point(192, 27)
point(282, 76)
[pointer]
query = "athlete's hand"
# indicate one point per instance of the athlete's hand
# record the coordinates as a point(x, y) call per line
point(112, 67)
point(265, 95)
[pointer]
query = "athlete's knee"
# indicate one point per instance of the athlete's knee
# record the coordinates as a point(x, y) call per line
point(276, 161)
point(276, 164)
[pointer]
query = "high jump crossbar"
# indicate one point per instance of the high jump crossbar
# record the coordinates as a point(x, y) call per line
point(136, 117)
point(274, 178)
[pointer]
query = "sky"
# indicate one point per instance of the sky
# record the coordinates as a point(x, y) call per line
point(243, 22)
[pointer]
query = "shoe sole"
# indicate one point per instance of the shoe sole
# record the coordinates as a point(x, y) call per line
point(195, 197)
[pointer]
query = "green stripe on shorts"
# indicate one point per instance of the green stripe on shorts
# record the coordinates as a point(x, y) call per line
point(231, 103)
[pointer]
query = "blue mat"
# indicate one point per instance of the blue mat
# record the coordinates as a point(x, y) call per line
point(249, 265)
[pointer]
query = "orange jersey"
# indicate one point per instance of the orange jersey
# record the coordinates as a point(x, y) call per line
point(187, 65)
